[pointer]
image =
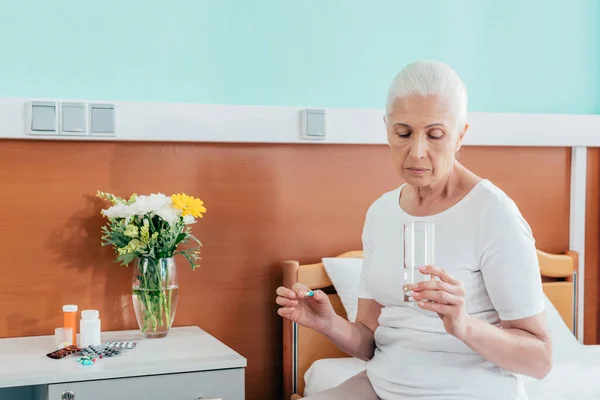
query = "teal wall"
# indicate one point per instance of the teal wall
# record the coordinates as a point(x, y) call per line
point(514, 55)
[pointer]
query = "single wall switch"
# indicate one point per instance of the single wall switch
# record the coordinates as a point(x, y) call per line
point(42, 118)
point(102, 119)
point(74, 119)
point(312, 124)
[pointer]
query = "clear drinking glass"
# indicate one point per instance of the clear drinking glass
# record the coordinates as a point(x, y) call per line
point(418, 252)
point(63, 337)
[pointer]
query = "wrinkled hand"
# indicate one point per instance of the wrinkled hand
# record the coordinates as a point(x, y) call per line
point(446, 297)
point(314, 312)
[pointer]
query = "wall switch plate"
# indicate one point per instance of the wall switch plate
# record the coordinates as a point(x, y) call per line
point(42, 118)
point(312, 124)
point(73, 119)
point(102, 120)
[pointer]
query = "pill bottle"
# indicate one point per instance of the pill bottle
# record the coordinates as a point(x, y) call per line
point(89, 328)
point(70, 320)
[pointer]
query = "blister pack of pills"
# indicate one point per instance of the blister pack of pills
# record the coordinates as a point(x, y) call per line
point(65, 351)
point(108, 349)
point(121, 345)
point(99, 351)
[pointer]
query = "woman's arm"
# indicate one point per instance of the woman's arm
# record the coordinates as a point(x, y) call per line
point(316, 312)
point(522, 346)
point(356, 338)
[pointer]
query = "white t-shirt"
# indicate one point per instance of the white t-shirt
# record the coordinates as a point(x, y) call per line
point(483, 241)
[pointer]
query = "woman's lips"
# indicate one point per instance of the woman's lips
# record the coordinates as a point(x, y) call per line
point(417, 171)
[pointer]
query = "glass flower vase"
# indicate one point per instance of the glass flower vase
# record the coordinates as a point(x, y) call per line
point(155, 290)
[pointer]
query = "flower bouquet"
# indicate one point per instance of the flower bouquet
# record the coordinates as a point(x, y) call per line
point(149, 230)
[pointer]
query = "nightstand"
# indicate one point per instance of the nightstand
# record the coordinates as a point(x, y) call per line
point(188, 364)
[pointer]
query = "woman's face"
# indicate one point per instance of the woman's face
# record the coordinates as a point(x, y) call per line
point(423, 137)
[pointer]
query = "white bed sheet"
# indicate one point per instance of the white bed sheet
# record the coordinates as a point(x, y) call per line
point(576, 377)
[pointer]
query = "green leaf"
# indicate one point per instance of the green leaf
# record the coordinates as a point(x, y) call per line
point(127, 258)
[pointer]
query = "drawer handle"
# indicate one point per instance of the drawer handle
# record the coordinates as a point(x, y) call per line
point(209, 398)
point(68, 396)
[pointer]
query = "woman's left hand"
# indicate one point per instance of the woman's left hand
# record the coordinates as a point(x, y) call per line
point(446, 297)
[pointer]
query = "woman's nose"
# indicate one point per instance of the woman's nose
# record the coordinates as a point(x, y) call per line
point(418, 146)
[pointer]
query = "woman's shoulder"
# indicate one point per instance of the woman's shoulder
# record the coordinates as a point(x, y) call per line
point(385, 202)
point(497, 207)
point(494, 198)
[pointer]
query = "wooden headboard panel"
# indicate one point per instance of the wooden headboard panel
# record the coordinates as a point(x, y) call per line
point(302, 347)
point(559, 272)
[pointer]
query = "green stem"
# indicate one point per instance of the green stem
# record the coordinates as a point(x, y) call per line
point(166, 305)
point(154, 297)
point(169, 307)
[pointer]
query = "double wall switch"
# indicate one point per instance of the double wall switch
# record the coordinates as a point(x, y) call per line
point(312, 124)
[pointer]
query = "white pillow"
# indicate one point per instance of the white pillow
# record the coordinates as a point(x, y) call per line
point(344, 273)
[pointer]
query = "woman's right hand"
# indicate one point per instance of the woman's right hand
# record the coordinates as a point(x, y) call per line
point(314, 312)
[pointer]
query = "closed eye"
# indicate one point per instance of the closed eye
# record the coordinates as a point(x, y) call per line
point(436, 134)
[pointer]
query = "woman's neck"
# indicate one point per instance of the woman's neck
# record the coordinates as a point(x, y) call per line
point(439, 196)
point(441, 189)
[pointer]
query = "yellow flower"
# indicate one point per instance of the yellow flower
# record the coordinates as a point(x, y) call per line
point(133, 246)
point(145, 233)
point(132, 198)
point(131, 231)
point(188, 205)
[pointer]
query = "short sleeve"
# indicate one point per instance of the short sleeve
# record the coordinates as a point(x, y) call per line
point(364, 292)
point(509, 263)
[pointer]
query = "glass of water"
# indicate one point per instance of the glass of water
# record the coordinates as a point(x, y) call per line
point(418, 252)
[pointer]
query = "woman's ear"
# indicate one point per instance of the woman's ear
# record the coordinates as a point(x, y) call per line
point(461, 137)
point(385, 121)
point(463, 132)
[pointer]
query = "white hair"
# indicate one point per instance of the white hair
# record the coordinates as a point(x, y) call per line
point(430, 78)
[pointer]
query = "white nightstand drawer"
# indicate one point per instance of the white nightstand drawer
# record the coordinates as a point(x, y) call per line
point(225, 384)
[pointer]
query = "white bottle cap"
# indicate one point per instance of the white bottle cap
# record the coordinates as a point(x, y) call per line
point(90, 314)
point(70, 308)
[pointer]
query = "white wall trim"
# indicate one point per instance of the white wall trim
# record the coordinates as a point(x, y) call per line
point(577, 226)
point(266, 124)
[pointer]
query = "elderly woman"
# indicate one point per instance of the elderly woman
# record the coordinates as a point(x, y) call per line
point(480, 324)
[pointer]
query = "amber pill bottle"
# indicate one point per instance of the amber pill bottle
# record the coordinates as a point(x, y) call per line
point(70, 320)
